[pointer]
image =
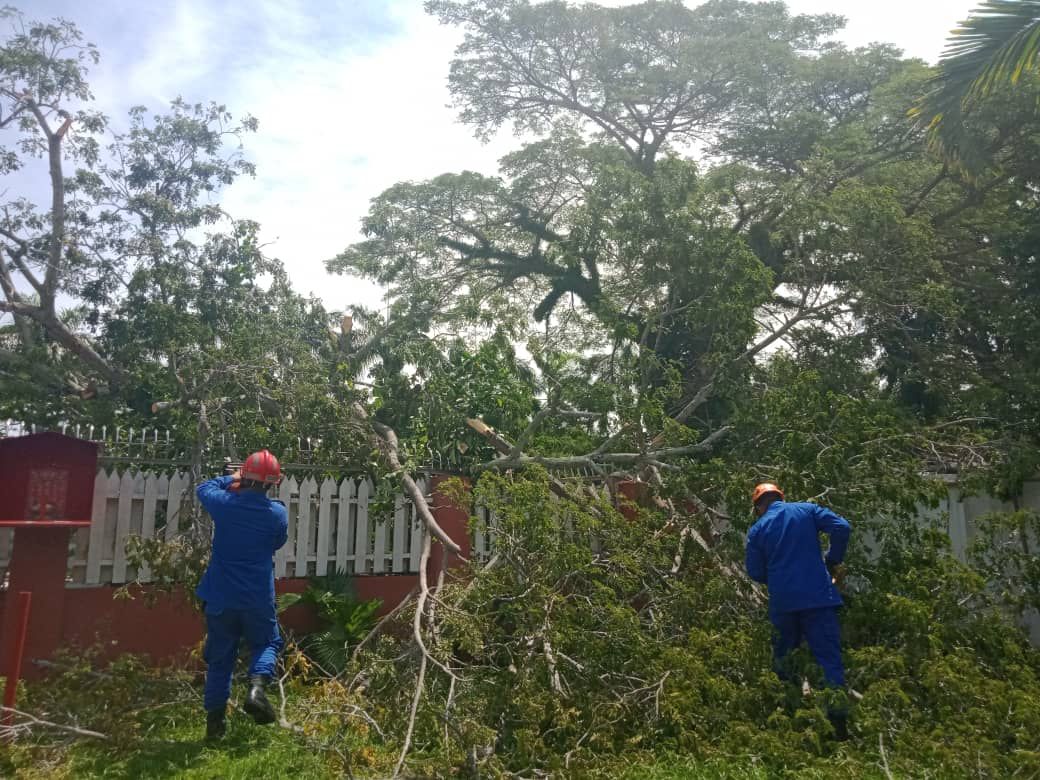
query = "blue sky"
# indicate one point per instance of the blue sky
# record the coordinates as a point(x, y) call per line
point(351, 97)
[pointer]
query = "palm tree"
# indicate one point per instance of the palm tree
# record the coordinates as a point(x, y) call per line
point(991, 49)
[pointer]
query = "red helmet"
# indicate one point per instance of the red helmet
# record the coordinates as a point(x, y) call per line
point(262, 467)
point(765, 489)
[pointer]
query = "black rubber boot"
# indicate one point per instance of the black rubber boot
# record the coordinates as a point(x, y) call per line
point(216, 726)
point(840, 722)
point(256, 703)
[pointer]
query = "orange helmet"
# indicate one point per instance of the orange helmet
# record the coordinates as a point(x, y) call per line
point(765, 489)
point(262, 467)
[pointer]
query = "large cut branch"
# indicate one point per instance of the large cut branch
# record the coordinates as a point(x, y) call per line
point(706, 390)
point(503, 445)
point(384, 440)
point(61, 333)
point(596, 459)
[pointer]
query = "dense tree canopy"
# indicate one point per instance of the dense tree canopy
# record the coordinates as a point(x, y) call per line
point(708, 186)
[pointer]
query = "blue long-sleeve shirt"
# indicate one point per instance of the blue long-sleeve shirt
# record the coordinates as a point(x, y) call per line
point(248, 527)
point(783, 552)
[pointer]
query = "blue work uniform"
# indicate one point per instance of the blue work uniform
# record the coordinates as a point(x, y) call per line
point(783, 553)
point(238, 586)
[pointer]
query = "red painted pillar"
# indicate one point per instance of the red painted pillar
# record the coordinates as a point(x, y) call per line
point(454, 519)
point(630, 496)
point(38, 563)
point(13, 668)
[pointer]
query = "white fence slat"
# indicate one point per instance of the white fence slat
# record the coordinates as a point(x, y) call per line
point(6, 535)
point(415, 531)
point(104, 486)
point(361, 539)
point(175, 500)
point(379, 546)
point(151, 500)
point(304, 524)
point(282, 556)
point(344, 526)
point(127, 489)
point(480, 533)
point(400, 519)
point(97, 528)
point(328, 489)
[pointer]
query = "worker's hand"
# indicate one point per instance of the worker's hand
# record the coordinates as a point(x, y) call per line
point(837, 572)
point(236, 480)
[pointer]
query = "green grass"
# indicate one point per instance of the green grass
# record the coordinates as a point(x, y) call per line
point(168, 743)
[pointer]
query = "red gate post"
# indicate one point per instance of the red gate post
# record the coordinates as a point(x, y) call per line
point(48, 491)
point(14, 670)
point(454, 520)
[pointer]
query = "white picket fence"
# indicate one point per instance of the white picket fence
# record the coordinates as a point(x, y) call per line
point(331, 528)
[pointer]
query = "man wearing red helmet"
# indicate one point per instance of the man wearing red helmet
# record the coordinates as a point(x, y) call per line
point(783, 553)
point(238, 586)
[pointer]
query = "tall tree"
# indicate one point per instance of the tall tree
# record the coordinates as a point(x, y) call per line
point(709, 184)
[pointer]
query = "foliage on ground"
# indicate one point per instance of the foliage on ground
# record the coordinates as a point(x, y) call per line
point(615, 663)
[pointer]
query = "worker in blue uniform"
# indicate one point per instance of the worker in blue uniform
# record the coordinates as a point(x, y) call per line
point(238, 586)
point(783, 553)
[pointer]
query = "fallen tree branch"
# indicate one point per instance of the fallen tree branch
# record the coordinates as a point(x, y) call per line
point(595, 459)
point(385, 441)
point(502, 445)
point(9, 731)
point(420, 681)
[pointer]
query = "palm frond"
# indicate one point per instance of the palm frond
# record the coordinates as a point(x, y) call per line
point(993, 47)
point(990, 50)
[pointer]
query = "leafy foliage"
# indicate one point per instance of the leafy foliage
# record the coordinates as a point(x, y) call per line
point(347, 620)
point(571, 661)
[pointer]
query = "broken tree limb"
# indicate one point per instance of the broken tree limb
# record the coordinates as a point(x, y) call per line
point(594, 459)
point(28, 721)
point(385, 440)
point(503, 445)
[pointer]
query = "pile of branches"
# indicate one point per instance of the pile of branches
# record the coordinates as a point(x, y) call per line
point(593, 635)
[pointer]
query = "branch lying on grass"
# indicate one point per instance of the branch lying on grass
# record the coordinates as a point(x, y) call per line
point(12, 730)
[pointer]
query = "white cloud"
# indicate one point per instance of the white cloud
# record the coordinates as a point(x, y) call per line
point(335, 131)
point(918, 27)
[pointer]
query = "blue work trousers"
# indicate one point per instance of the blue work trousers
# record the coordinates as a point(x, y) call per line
point(224, 632)
point(819, 628)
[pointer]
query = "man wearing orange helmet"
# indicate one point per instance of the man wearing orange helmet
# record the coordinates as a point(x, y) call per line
point(783, 553)
point(238, 586)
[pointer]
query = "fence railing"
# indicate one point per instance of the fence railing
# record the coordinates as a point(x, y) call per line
point(333, 525)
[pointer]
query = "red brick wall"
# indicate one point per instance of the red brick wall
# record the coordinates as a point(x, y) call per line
point(170, 628)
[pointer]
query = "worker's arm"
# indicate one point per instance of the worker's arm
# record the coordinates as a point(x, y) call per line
point(214, 492)
point(282, 532)
point(755, 559)
point(837, 529)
